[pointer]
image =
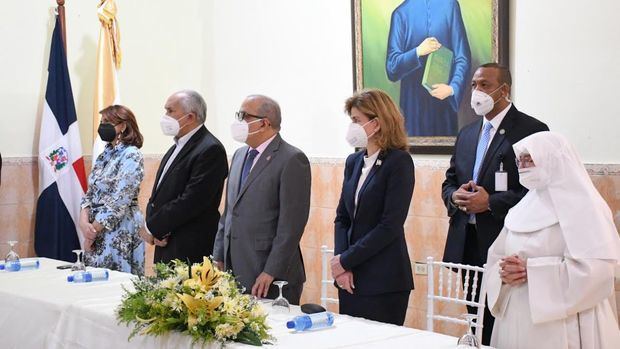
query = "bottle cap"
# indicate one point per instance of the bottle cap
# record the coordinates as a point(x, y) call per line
point(70, 278)
point(13, 266)
point(290, 324)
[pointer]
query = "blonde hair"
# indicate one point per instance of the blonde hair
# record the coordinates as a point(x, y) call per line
point(377, 104)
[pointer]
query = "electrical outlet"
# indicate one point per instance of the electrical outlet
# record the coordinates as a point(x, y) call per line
point(420, 269)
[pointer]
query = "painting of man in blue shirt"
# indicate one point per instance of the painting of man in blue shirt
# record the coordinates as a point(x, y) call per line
point(418, 28)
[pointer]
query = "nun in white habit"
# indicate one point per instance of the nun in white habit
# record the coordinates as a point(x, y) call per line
point(550, 277)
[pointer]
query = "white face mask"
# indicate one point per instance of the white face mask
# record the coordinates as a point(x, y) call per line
point(356, 135)
point(483, 103)
point(240, 130)
point(170, 126)
point(533, 177)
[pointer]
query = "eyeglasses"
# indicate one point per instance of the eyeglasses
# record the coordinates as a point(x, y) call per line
point(240, 115)
point(527, 162)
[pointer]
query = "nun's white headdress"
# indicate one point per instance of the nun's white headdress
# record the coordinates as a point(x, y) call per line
point(567, 197)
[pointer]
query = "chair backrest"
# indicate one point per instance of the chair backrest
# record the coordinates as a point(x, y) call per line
point(454, 283)
point(326, 281)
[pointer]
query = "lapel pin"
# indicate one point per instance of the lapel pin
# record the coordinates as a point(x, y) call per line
point(268, 157)
point(379, 162)
point(502, 131)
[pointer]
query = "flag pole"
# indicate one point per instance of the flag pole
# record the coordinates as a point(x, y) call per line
point(63, 26)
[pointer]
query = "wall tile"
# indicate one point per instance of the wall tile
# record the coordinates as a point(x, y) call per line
point(425, 227)
point(427, 193)
point(320, 228)
point(326, 185)
point(19, 183)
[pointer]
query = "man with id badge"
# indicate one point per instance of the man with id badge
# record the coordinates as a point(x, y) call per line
point(482, 183)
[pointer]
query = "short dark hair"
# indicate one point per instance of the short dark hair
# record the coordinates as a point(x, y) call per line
point(504, 72)
point(119, 113)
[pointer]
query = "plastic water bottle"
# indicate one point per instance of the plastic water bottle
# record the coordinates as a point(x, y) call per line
point(89, 276)
point(311, 321)
point(21, 264)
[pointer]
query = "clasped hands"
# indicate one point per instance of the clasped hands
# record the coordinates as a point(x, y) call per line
point(513, 270)
point(89, 230)
point(150, 239)
point(471, 198)
point(343, 278)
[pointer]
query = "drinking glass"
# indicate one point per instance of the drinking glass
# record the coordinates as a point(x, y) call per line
point(12, 256)
point(468, 340)
point(79, 264)
point(280, 303)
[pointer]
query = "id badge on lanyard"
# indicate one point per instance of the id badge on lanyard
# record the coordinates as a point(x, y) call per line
point(501, 179)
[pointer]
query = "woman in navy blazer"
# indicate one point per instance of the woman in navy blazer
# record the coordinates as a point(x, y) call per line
point(371, 265)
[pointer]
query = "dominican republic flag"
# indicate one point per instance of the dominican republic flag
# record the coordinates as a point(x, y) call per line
point(62, 179)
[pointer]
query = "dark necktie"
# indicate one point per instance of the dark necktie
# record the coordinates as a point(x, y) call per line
point(247, 165)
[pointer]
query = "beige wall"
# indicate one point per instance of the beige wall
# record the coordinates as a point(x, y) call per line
point(425, 228)
point(162, 46)
point(563, 55)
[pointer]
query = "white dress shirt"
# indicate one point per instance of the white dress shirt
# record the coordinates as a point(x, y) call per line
point(180, 143)
point(495, 122)
point(369, 162)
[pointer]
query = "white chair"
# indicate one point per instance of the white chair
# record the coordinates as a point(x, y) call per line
point(325, 278)
point(451, 289)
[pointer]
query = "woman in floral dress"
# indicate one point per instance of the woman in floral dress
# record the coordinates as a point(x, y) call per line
point(110, 218)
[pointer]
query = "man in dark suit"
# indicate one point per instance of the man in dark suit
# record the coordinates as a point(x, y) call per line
point(267, 205)
point(477, 203)
point(182, 212)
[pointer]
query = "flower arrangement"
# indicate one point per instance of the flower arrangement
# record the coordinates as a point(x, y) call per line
point(207, 305)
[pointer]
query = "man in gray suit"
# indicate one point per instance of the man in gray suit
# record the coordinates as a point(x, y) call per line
point(267, 205)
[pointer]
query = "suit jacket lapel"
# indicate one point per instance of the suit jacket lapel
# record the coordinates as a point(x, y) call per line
point(191, 143)
point(469, 154)
point(162, 164)
point(235, 173)
point(352, 184)
point(498, 139)
point(263, 161)
point(373, 170)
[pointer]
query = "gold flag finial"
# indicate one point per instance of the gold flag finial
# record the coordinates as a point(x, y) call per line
point(106, 10)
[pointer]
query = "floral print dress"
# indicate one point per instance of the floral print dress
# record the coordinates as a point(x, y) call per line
point(112, 197)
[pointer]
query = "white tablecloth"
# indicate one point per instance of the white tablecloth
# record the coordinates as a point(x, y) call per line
point(40, 309)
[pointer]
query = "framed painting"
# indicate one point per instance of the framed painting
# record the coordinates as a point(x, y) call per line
point(395, 47)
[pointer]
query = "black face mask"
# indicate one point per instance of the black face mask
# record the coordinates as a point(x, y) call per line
point(106, 132)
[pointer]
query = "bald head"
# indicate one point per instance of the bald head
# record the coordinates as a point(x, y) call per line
point(268, 107)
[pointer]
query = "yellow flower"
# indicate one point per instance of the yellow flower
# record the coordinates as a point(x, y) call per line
point(206, 274)
point(194, 305)
point(228, 330)
point(182, 271)
point(168, 283)
point(257, 311)
point(193, 284)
